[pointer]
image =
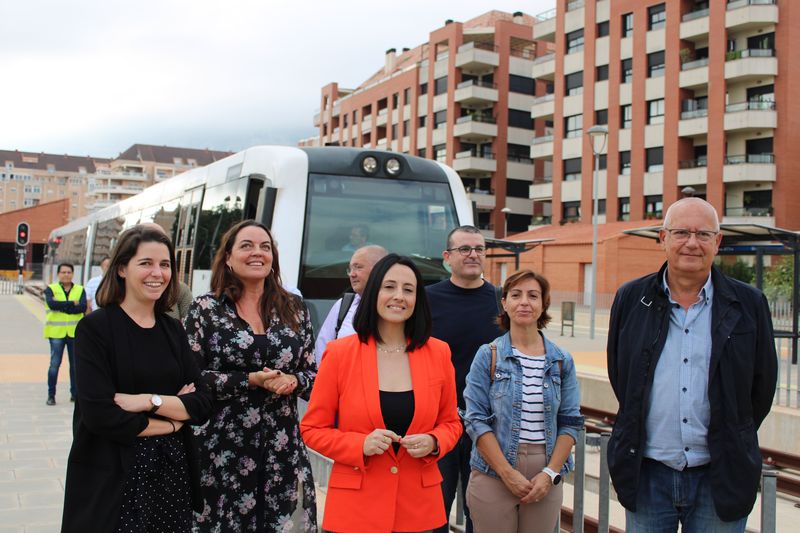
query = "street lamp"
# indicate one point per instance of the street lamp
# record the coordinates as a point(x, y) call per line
point(505, 211)
point(597, 135)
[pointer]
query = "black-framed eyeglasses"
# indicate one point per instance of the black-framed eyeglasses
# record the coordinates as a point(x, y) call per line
point(681, 235)
point(466, 250)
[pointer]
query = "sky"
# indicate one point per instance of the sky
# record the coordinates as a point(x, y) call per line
point(92, 77)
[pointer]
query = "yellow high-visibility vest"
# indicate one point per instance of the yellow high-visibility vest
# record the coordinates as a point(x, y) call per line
point(58, 325)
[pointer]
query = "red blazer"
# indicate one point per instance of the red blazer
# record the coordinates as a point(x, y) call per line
point(388, 492)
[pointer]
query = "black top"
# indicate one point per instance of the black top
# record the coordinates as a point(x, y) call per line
point(151, 370)
point(464, 319)
point(398, 410)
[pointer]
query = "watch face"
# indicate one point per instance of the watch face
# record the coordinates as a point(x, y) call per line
point(156, 400)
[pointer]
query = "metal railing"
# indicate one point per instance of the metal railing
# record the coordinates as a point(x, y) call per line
point(748, 211)
point(524, 53)
point(543, 99)
point(471, 45)
point(550, 56)
point(733, 55)
point(543, 139)
point(476, 83)
point(697, 63)
point(758, 159)
point(752, 105)
point(736, 4)
point(547, 15)
point(700, 162)
point(476, 118)
point(693, 15)
point(575, 4)
point(474, 153)
point(694, 113)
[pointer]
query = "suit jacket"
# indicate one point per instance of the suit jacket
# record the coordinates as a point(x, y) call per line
point(388, 492)
point(104, 436)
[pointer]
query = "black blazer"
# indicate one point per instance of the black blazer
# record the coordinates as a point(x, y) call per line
point(741, 384)
point(103, 434)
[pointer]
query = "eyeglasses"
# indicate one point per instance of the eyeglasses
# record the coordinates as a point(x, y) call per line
point(355, 268)
point(681, 235)
point(466, 250)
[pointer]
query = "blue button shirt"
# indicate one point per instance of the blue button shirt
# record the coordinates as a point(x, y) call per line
point(678, 411)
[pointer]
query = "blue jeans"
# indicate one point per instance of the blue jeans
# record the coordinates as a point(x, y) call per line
point(56, 354)
point(667, 497)
point(452, 466)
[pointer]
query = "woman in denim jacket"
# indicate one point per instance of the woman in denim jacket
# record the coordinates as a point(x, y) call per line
point(523, 416)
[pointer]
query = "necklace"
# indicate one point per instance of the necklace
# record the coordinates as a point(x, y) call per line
point(391, 349)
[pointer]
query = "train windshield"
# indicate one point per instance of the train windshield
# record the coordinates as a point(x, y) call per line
point(344, 213)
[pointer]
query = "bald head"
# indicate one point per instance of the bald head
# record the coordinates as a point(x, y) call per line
point(690, 207)
point(361, 265)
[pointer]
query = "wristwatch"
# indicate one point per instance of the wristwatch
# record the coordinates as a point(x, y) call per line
point(155, 401)
point(555, 477)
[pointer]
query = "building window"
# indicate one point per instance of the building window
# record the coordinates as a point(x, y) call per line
point(574, 83)
point(439, 118)
point(518, 188)
point(602, 162)
point(395, 99)
point(407, 95)
point(406, 125)
point(627, 24)
point(625, 163)
point(440, 151)
point(575, 41)
point(571, 211)
point(624, 209)
point(657, 17)
point(394, 131)
point(626, 116)
point(423, 120)
point(440, 86)
point(572, 169)
point(603, 28)
point(655, 112)
point(626, 71)
point(520, 119)
point(521, 84)
point(601, 206)
point(422, 152)
point(573, 126)
point(602, 73)
point(601, 117)
point(655, 64)
point(423, 88)
point(654, 159)
point(653, 206)
point(516, 152)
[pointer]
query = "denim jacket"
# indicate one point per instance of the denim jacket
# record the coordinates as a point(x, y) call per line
point(497, 406)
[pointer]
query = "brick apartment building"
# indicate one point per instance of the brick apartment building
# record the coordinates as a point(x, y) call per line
point(694, 93)
point(463, 98)
point(88, 183)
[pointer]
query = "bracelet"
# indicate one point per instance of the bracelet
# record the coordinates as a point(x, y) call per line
point(174, 429)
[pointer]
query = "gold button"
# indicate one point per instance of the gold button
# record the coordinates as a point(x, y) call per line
point(355, 468)
point(393, 470)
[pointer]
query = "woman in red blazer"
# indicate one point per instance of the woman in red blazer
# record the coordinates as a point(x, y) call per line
point(392, 390)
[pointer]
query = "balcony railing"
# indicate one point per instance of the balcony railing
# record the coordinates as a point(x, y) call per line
point(748, 211)
point(476, 118)
point(749, 52)
point(543, 99)
point(694, 113)
point(524, 53)
point(474, 153)
point(735, 4)
point(758, 159)
point(476, 83)
point(753, 105)
point(575, 4)
point(697, 63)
point(694, 15)
point(491, 47)
point(700, 162)
point(547, 15)
point(525, 160)
point(543, 139)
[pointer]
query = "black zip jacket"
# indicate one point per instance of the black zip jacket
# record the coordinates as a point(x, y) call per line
point(741, 384)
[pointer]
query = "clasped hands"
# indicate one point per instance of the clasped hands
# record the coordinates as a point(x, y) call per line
point(417, 446)
point(527, 490)
point(273, 381)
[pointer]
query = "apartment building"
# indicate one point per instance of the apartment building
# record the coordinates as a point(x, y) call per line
point(463, 98)
point(694, 93)
point(89, 183)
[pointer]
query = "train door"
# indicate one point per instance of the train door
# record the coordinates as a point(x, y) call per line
point(187, 232)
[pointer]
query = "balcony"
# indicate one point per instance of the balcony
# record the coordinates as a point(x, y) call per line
point(383, 117)
point(483, 199)
point(748, 65)
point(103, 188)
point(542, 147)
point(693, 123)
point(540, 220)
point(474, 93)
point(694, 25)
point(749, 168)
point(749, 215)
point(694, 74)
point(477, 57)
point(316, 119)
point(544, 67)
point(475, 129)
point(753, 115)
point(519, 168)
point(469, 162)
point(366, 125)
point(544, 29)
point(541, 191)
point(750, 14)
point(543, 106)
point(121, 175)
point(692, 172)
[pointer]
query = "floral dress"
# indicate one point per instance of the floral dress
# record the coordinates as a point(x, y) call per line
point(251, 453)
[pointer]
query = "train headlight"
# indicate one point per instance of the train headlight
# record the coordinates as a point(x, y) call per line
point(393, 167)
point(369, 165)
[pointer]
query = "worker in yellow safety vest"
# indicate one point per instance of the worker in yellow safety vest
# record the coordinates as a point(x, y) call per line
point(66, 305)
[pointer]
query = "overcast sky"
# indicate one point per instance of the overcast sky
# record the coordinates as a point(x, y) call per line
point(92, 77)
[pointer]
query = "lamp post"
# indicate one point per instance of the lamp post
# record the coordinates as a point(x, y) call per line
point(597, 135)
point(505, 211)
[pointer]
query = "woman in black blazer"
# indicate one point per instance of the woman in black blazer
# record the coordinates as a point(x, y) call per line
point(132, 466)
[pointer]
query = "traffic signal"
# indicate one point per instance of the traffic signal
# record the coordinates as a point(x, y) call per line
point(23, 234)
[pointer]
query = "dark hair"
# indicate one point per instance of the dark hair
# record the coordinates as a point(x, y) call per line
point(418, 325)
point(70, 265)
point(515, 279)
point(463, 229)
point(275, 301)
point(112, 287)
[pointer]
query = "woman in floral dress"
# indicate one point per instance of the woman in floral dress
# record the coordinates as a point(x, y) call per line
point(256, 348)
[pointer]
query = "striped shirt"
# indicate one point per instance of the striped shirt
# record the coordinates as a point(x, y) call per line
point(532, 420)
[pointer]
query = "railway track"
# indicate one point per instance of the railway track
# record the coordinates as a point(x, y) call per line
point(787, 464)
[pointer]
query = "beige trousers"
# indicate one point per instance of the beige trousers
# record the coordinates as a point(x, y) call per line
point(495, 510)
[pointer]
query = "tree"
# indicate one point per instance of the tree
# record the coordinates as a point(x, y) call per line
point(778, 279)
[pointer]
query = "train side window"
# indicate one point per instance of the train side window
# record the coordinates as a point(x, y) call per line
point(223, 206)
